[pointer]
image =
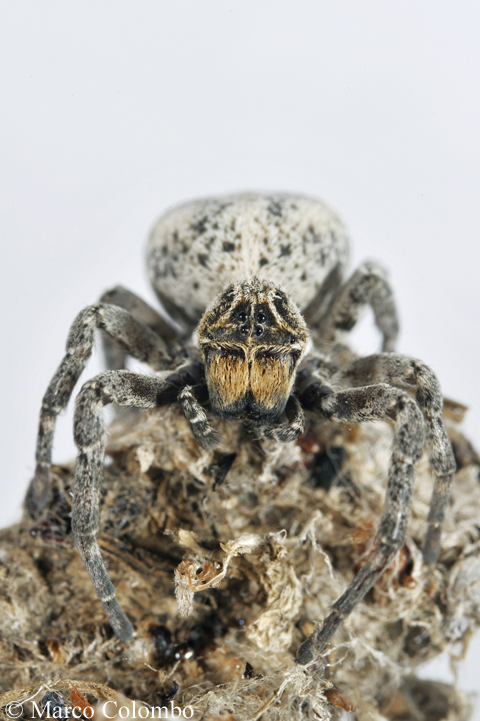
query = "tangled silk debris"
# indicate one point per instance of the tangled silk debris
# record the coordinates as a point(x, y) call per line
point(224, 560)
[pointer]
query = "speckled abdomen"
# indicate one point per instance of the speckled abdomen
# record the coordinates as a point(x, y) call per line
point(197, 248)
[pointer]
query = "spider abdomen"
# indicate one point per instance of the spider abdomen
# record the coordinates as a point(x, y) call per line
point(198, 248)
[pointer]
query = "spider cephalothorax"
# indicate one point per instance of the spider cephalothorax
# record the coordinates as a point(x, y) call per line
point(272, 263)
point(253, 338)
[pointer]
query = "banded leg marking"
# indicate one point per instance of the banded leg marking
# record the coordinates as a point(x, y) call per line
point(294, 427)
point(202, 430)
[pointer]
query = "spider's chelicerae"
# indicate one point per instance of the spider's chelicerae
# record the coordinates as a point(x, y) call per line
point(260, 278)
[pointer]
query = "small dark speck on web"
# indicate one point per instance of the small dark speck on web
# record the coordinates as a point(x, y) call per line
point(248, 673)
point(167, 696)
point(220, 469)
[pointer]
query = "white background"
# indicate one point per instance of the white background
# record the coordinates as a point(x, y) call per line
point(112, 111)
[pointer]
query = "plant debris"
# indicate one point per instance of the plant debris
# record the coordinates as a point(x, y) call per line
point(224, 560)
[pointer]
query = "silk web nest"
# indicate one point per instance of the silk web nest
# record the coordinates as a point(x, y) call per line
point(224, 560)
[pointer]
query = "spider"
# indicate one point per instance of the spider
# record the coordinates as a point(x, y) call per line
point(272, 263)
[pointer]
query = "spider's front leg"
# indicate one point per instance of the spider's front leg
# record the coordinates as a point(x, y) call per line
point(123, 388)
point(353, 406)
point(129, 333)
point(367, 286)
point(402, 371)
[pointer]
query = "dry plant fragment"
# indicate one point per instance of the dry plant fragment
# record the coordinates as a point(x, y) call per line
point(272, 630)
point(192, 577)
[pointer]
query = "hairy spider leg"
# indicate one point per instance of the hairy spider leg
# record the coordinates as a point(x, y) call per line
point(123, 388)
point(353, 406)
point(115, 355)
point(402, 371)
point(367, 286)
point(131, 334)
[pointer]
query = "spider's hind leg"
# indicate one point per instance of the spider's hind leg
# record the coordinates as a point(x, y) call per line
point(367, 286)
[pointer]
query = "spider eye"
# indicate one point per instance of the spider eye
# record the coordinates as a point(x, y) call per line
point(242, 317)
point(244, 330)
point(261, 317)
point(258, 331)
point(293, 339)
point(209, 336)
